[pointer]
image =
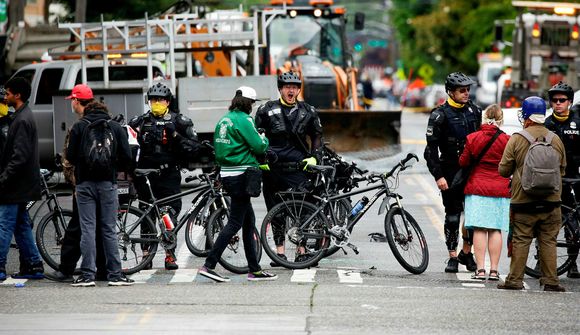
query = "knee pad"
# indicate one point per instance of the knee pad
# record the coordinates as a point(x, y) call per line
point(451, 229)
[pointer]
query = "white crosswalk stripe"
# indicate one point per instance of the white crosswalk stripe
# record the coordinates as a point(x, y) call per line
point(349, 277)
point(303, 276)
point(11, 281)
point(142, 276)
point(184, 276)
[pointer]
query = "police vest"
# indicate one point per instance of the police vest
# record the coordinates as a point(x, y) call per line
point(459, 123)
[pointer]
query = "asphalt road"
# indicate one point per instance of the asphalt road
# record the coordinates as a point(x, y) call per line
point(369, 293)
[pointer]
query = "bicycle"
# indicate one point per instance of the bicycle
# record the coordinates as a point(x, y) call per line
point(51, 228)
point(139, 236)
point(38, 208)
point(309, 229)
point(568, 238)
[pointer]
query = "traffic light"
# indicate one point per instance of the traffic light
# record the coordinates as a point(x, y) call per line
point(358, 47)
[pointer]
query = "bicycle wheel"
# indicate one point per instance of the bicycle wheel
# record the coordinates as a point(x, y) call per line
point(563, 260)
point(341, 210)
point(406, 241)
point(50, 235)
point(195, 231)
point(138, 239)
point(234, 256)
point(302, 247)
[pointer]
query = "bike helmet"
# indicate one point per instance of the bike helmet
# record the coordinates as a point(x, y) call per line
point(457, 79)
point(561, 88)
point(289, 78)
point(532, 105)
point(159, 91)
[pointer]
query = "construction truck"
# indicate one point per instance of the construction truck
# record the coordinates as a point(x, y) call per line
point(545, 49)
point(218, 51)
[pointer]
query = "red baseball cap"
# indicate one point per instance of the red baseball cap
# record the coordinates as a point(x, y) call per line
point(81, 91)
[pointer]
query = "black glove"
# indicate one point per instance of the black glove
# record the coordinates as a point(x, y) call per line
point(170, 129)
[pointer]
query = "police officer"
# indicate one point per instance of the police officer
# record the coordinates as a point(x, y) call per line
point(167, 139)
point(448, 127)
point(565, 122)
point(288, 123)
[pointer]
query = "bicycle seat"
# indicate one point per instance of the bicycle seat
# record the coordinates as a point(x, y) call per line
point(570, 181)
point(145, 172)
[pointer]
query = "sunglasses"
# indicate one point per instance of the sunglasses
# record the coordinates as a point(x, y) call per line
point(463, 90)
point(560, 100)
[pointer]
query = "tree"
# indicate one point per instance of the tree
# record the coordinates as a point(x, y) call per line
point(448, 34)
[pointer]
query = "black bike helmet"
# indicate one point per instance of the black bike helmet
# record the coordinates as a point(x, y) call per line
point(561, 88)
point(457, 79)
point(289, 78)
point(159, 91)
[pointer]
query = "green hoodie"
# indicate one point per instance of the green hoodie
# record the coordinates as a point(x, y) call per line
point(237, 142)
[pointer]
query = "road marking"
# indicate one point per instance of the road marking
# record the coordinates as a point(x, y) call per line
point(11, 281)
point(371, 307)
point(473, 285)
point(421, 197)
point(412, 141)
point(349, 277)
point(142, 276)
point(435, 220)
point(303, 276)
point(183, 256)
point(184, 276)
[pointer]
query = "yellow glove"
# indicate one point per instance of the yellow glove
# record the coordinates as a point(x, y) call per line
point(309, 161)
point(264, 167)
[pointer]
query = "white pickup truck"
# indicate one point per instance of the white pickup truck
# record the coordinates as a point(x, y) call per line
point(52, 81)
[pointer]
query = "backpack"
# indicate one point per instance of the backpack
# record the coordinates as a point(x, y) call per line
point(98, 147)
point(541, 171)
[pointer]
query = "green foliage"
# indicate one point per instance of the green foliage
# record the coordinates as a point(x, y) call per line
point(447, 34)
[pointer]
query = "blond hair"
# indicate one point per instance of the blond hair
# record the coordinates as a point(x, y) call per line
point(493, 114)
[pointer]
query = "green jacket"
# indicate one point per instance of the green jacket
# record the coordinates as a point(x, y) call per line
point(237, 142)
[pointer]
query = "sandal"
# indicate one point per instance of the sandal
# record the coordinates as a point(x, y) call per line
point(493, 275)
point(479, 274)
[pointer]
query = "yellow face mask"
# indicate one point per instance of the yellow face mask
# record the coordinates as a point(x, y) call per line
point(158, 108)
point(3, 110)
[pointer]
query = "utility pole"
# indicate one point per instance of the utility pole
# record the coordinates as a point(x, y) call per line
point(80, 11)
point(16, 11)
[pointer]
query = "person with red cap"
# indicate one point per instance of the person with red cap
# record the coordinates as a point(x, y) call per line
point(70, 251)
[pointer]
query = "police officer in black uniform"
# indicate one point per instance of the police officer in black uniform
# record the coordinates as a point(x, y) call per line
point(167, 139)
point(288, 123)
point(565, 122)
point(448, 127)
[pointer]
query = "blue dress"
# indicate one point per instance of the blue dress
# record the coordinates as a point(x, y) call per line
point(487, 212)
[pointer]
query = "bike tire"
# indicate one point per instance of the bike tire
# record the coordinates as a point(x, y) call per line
point(291, 214)
point(409, 248)
point(195, 231)
point(563, 260)
point(50, 234)
point(138, 240)
point(234, 256)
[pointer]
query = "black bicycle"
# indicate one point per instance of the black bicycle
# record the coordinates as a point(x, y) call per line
point(567, 242)
point(52, 226)
point(297, 233)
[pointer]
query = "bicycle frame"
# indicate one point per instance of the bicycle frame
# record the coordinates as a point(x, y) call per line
point(383, 188)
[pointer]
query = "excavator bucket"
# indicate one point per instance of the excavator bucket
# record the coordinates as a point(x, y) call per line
point(348, 131)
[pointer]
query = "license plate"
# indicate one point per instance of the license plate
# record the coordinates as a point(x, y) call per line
point(123, 190)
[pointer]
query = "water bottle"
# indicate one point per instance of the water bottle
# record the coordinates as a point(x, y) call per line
point(359, 206)
point(167, 220)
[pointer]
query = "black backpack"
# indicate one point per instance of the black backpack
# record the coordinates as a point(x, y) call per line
point(98, 147)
